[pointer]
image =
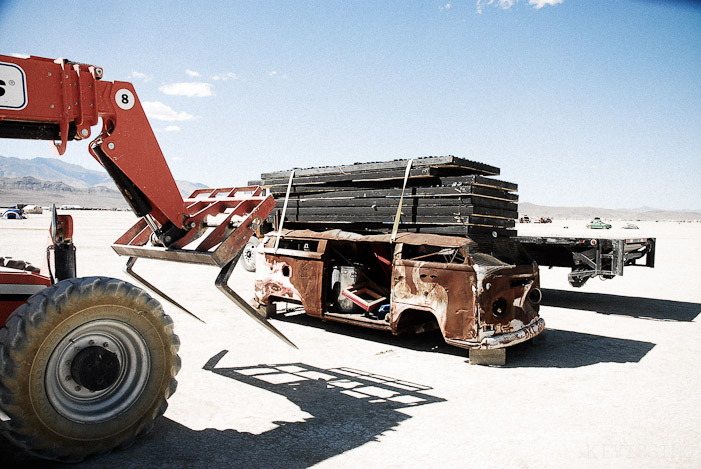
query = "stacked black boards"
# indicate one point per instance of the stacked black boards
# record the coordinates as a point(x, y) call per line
point(443, 195)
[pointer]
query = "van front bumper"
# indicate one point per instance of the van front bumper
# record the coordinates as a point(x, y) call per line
point(503, 340)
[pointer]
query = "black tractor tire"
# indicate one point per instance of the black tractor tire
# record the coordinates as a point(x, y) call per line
point(248, 256)
point(86, 366)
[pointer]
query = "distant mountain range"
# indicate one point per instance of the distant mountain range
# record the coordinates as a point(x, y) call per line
point(44, 181)
point(53, 169)
point(587, 213)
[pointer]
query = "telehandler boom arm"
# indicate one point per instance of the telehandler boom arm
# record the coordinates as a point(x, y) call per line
point(61, 100)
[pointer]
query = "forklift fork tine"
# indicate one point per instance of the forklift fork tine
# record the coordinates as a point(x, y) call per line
point(221, 284)
point(128, 269)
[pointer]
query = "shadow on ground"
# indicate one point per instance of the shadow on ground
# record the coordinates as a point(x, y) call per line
point(348, 408)
point(568, 349)
point(561, 349)
point(643, 308)
point(431, 341)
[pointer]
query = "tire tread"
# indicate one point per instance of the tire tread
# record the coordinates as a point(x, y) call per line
point(25, 325)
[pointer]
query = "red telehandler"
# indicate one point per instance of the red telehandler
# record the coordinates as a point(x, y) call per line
point(86, 364)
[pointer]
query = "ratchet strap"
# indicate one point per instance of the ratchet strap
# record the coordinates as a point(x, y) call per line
point(284, 210)
point(401, 199)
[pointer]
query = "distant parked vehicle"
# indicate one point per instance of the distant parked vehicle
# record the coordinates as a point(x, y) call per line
point(630, 226)
point(12, 214)
point(598, 224)
point(524, 219)
point(32, 210)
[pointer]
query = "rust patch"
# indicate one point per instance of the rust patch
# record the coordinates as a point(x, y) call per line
point(291, 278)
point(445, 290)
point(503, 293)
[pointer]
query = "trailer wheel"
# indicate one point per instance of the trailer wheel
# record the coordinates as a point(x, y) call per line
point(248, 257)
point(86, 366)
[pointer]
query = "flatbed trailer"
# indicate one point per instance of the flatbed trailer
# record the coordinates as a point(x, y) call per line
point(590, 257)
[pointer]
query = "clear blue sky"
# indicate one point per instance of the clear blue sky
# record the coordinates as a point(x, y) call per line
point(580, 102)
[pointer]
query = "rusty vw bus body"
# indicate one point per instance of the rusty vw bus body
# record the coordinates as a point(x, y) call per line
point(480, 298)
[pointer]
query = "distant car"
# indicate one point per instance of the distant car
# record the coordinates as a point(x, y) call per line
point(12, 214)
point(630, 226)
point(597, 224)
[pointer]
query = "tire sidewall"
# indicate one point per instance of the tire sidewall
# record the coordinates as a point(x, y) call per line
point(74, 304)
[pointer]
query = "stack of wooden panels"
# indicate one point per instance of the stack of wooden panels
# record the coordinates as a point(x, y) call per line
point(443, 195)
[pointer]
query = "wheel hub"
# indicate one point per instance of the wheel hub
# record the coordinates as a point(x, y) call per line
point(97, 371)
point(95, 368)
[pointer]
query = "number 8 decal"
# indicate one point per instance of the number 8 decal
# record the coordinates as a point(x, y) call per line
point(124, 99)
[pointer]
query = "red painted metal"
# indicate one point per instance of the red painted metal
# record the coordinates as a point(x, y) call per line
point(222, 221)
point(15, 287)
point(130, 143)
point(61, 100)
point(71, 95)
point(64, 227)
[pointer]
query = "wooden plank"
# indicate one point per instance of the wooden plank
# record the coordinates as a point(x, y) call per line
point(391, 181)
point(356, 178)
point(378, 183)
point(392, 178)
point(416, 212)
point(405, 219)
point(478, 181)
point(476, 232)
point(459, 164)
point(468, 231)
point(413, 201)
point(323, 192)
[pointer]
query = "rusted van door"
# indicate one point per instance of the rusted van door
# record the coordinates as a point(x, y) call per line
point(444, 289)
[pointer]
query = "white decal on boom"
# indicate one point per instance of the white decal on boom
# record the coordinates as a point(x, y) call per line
point(13, 87)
